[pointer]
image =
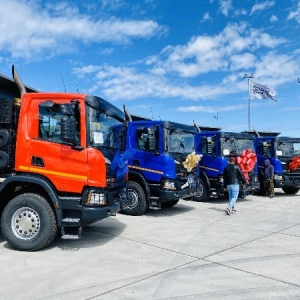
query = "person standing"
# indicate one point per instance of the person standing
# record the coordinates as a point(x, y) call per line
point(233, 177)
point(269, 179)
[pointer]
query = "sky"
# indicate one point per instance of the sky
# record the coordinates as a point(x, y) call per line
point(176, 60)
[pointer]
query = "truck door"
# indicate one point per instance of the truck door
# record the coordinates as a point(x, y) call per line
point(45, 151)
point(146, 158)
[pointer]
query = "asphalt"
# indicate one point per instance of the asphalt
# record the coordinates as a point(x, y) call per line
point(191, 251)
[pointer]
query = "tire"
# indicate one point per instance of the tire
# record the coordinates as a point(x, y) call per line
point(138, 200)
point(28, 222)
point(169, 203)
point(202, 193)
point(290, 190)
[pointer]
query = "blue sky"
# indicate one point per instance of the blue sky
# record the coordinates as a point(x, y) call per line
point(177, 60)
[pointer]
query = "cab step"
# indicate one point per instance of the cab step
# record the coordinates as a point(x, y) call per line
point(71, 229)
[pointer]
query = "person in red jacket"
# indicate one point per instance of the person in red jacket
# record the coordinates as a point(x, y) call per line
point(233, 178)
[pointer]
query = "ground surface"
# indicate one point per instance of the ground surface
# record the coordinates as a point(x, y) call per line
point(191, 251)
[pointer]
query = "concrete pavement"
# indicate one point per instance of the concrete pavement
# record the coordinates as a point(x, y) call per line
point(191, 251)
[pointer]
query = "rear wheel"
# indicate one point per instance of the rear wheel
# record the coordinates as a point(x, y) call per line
point(290, 190)
point(137, 198)
point(28, 222)
point(202, 193)
point(169, 203)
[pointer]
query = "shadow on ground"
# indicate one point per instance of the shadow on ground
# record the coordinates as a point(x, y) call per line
point(96, 234)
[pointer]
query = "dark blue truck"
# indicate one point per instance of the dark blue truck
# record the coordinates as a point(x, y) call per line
point(281, 150)
point(156, 175)
point(216, 147)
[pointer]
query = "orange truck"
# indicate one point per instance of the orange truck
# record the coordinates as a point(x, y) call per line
point(55, 164)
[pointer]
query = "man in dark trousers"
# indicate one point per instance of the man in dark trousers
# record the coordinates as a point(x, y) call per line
point(269, 179)
point(233, 177)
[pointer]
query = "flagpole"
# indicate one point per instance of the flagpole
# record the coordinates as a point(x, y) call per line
point(248, 77)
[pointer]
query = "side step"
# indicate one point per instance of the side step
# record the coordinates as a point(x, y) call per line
point(71, 229)
point(154, 204)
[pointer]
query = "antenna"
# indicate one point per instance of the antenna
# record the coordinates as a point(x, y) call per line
point(151, 112)
point(62, 79)
point(77, 89)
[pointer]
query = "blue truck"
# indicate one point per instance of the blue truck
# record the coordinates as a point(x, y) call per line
point(216, 147)
point(156, 175)
point(281, 151)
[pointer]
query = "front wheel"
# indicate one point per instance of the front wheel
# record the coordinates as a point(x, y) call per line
point(202, 193)
point(290, 190)
point(138, 200)
point(28, 222)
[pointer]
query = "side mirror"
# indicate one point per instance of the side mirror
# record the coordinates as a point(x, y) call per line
point(68, 129)
point(152, 142)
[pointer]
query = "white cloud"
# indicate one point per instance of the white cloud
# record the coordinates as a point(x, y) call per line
point(206, 17)
point(273, 19)
point(295, 14)
point(33, 30)
point(211, 109)
point(180, 71)
point(204, 54)
point(262, 6)
point(225, 6)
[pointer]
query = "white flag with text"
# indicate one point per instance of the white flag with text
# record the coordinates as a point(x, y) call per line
point(260, 91)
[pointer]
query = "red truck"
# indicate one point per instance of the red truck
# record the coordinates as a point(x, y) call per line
point(55, 172)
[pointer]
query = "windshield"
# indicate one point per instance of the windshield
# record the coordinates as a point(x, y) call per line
point(288, 149)
point(231, 146)
point(180, 142)
point(102, 121)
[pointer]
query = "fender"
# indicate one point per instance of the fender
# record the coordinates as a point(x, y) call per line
point(44, 183)
point(205, 178)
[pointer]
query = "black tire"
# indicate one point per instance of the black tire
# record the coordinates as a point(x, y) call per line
point(202, 193)
point(138, 200)
point(290, 190)
point(28, 222)
point(169, 203)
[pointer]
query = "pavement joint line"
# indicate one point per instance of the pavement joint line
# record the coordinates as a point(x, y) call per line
point(142, 279)
point(253, 273)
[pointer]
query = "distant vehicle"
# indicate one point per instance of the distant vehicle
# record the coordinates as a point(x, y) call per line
point(284, 154)
point(55, 170)
point(216, 147)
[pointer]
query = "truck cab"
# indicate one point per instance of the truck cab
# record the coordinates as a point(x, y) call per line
point(216, 147)
point(283, 153)
point(156, 174)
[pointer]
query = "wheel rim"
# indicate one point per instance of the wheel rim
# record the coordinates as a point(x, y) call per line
point(200, 189)
point(25, 223)
point(134, 198)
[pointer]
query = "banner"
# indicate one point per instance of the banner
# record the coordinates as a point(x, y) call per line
point(260, 91)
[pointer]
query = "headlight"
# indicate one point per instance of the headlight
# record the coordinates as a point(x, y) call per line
point(220, 179)
point(168, 185)
point(255, 178)
point(278, 177)
point(96, 198)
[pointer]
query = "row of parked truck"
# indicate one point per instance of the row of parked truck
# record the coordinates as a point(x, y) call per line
point(70, 159)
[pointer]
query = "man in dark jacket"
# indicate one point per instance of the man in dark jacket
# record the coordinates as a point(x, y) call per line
point(233, 177)
point(269, 179)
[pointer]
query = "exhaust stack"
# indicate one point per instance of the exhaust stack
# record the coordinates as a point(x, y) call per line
point(18, 81)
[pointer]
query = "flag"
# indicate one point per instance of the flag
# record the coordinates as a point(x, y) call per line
point(260, 91)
